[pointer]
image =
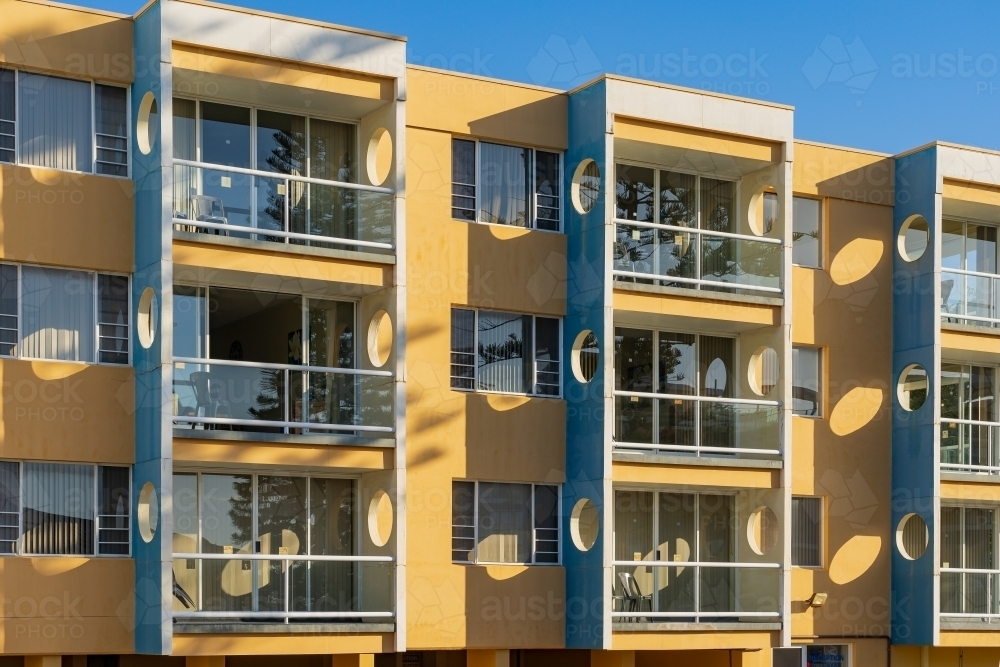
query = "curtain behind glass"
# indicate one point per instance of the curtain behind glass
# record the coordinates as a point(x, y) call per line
point(503, 181)
point(677, 543)
point(226, 511)
point(716, 544)
point(282, 529)
point(185, 148)
point(55, 122)
point(951, 556)
point(332, 515)
point(678, 374)
point(634, 538)
point(332, 397)
point(504, 341)
point(504, 523)
point(58, 314)
point(58, 509)
point(332, 211)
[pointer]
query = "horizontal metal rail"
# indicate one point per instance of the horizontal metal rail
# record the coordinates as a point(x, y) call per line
point(282, 367)
point(260, 231)
point(695, 230)
point(277, 176)
point(701, 399)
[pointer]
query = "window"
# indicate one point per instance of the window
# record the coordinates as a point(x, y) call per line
point(76, 509)
point(58, 123)
point(828, 655)
point(495, 522)
point(770, 210)
point(807, 369)
point(508, 353)
point(48, 313)
point(968, 398)
point(513, 185)
point(969, 264)
point(806, 219)
point(968, 541)
point(807, 532)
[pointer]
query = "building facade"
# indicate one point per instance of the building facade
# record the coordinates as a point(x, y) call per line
point(619, 376)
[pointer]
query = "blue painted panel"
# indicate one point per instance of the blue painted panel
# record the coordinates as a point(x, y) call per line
point(585, 414)
point(915, 322)
point(152, 571)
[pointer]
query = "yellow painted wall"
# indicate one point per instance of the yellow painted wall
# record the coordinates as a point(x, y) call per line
point(77, 42)
point(978, 193)
point(456, 435)
point(66, 605)
point(280, 644)
point(485, 108)
point(844, 457)
point(624, 473)
point(213, 452)
point(707, 312)
point(972, 656)
point(58, 411)
point(696, 140)
point(843, 173)
point(65, 219)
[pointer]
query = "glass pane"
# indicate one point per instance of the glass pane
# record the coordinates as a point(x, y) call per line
point(635, 251)
point(281, 143)
point(547, 356)
point(185, 134)
point(634, 526)
point(547, 190)
point(546, 524)
point(504, 523)
point(8, 309)
point(806, 231)
point(58, 312)
point(980, 248)
point(282, 529)
point(332, 150)
point(111, 126)
point(463, 342)
point(634, 193)
point(952, 294)
point(112, 316)
point(55, 122)
point(503, 184)
point(185, 541)
point(675, 586)
point(463, 177)
point(633, 360)
point(717, 206)
point(463, 522)
point(806, 381)
point(677, 199)
point(952, 244)
point(331, 334)
point(225, 135)
point(979, 297)
point(677, 365)
point(226, 524)
point(502, 341)
point(716, 516)
point(716, 357)
point(113, 508)
point(246, 325)
point(10, 507)
point(7, 95)
point(58, 508)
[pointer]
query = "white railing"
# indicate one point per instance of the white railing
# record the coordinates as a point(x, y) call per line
point(288, 596)
point(214, 393)
point(240, 210)
point(741, 261)
point(961, 289)
point(957, 449)
point(987, 593)
point(748, 599)
point(737, 420)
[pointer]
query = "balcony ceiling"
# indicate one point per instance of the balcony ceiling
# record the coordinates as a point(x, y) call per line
point(688, 159)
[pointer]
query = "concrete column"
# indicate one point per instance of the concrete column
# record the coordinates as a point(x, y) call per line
point(488, 657)
point(353, 660)
point(43, 661)
point(612, 658)
point(204, 661)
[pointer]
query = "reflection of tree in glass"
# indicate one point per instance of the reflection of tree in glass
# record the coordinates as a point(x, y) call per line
point(241, 510)
point(288, 157)
point(270, 397)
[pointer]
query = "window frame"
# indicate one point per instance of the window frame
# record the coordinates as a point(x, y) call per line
point(534, 362)
point(254, 108)
point(966, 221)
point(19, 543)
point(93, 121)
point(95, 308)
point(534, 528)
point(821, 533)
point(820, 381)
point(358, 518)
point(820, 232)
point(532, 203)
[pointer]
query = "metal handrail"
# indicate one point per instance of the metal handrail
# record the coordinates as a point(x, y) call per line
point(703, 399)
point(686, 563)
point(697, 230)
point(283, 367)
point(277, 175)
point(241, 556)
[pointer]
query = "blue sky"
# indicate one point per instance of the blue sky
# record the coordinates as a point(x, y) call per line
point(883, 76)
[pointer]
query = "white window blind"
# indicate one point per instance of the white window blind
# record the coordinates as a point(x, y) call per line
point(58, 314)
point(55, 122)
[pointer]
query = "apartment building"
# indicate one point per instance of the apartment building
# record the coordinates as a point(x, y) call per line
point(618, 376)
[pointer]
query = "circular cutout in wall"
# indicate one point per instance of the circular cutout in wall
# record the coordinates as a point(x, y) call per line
point(380, 518)
point(147, 123)
point(586, 186)
point(379, 159)
point(912, 536)
point(762, 374)
point(584, 524)
point(914, 236)
point(762, 530)
point(911, 388)
point(379, 339)
point(146, 318)
point(148, 512)
point(585, 356)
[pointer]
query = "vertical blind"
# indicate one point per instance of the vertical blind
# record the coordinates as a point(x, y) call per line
point(58, 311)
point(504, 523)
point(806, 531)
point(58, 509)
point(503, 197)
point(55, 120)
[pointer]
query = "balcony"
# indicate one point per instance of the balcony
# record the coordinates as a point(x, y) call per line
point(213, 394)
point(698, 425)
point(262, 588)
point(673, 256)
point(281, 208)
